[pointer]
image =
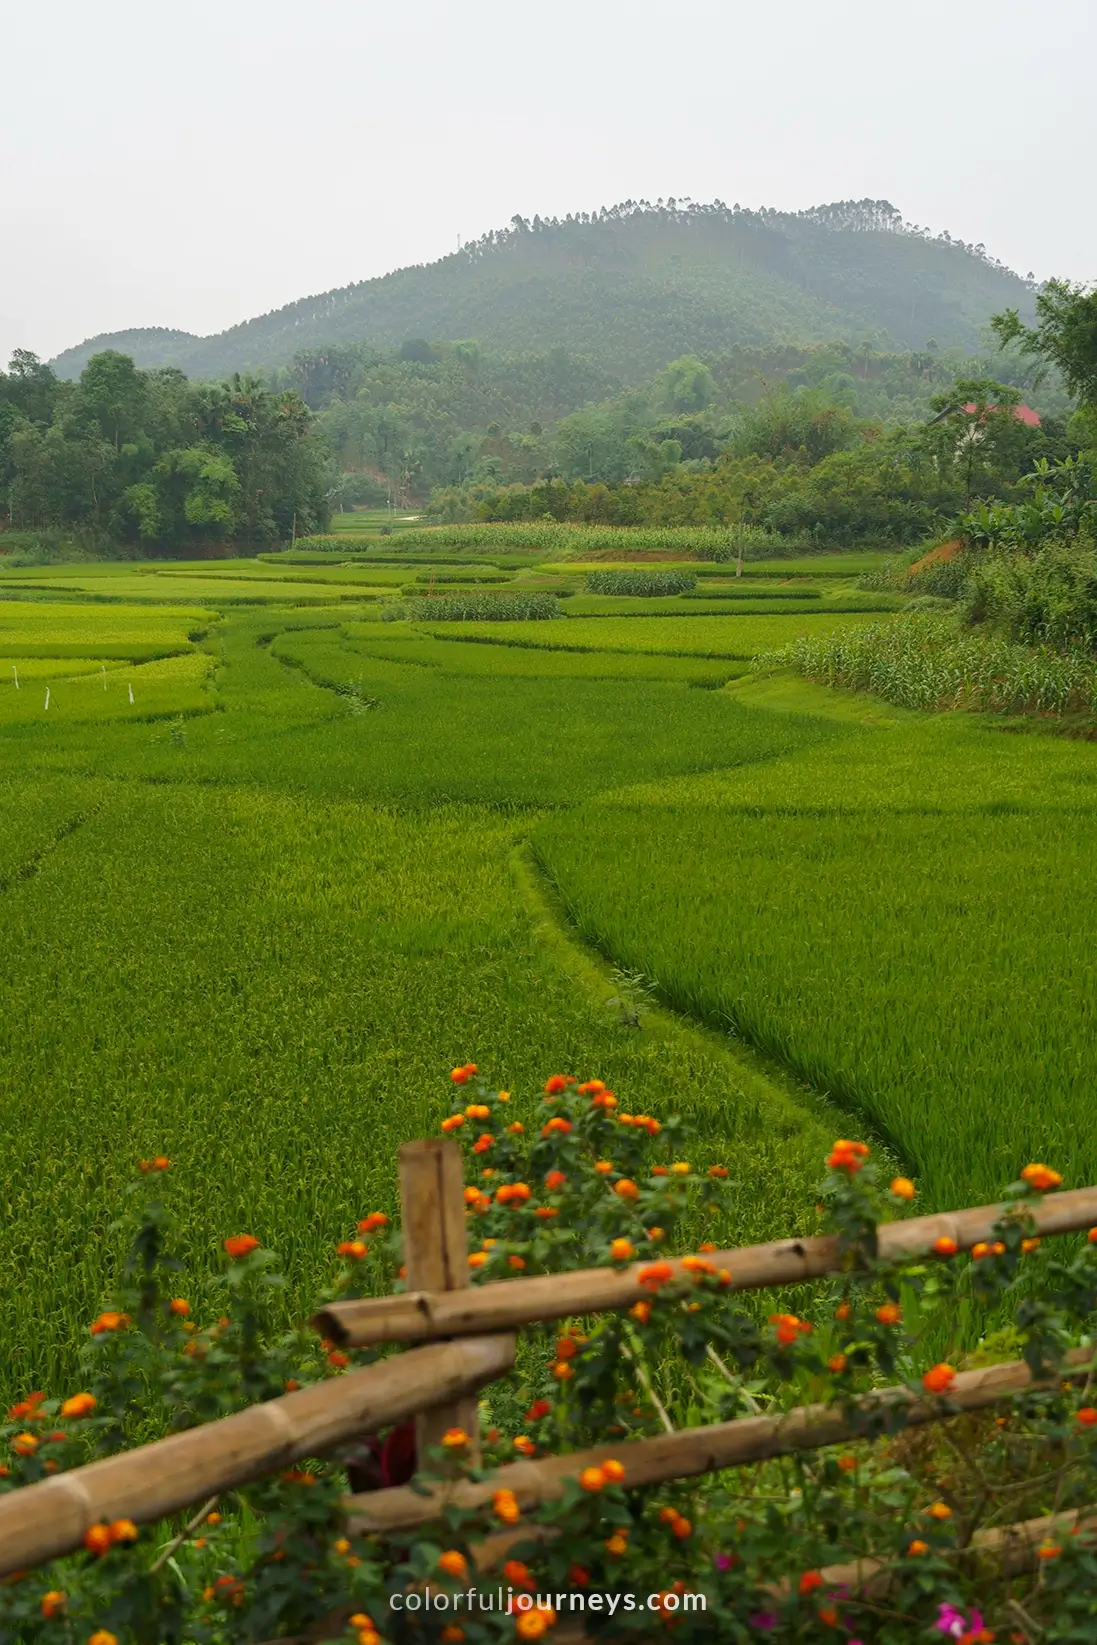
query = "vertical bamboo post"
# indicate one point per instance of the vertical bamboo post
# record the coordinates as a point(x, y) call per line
point(436, 1258)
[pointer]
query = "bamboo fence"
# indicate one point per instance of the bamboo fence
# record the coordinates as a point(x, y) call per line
point(437, 1382)
point(424, 1315)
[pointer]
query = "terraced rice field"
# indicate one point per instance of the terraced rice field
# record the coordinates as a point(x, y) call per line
point(253, 918)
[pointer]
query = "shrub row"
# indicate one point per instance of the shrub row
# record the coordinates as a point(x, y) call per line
point(647, 584)
point(473, 608)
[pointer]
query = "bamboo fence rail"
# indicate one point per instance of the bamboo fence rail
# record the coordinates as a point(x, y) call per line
point(693, 1451)
point(424, 1315)
point(42, 1521)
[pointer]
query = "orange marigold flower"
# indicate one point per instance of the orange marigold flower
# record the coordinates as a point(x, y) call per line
point(903, 1188)
point(1041, 1177)
point(452, 1634)
point(578, 1576)
point(26, 1407)
point(717, 1171)
point(788, 1328)
point(810, 1581)
point(1030, 1245)
point(25, 1445)
point(847, 1463)
point(111, 1320)
point(591, 1088)
point(102, 1636)
point(617, 1544)
point(477, 1259)
point(655, 1274)
point(847, 1156)
point(540, 1408)
point(1092, 1236)
point(241, 1245)
point(546, 1212)
point(614, 1471)
point(97, 1539)
point(626, 1189)
point(938, 1379)
point(524, 1445)
point(918, 1548)
point(516, 1262)
point(655, 1234)
point(356, 1248)
point(123, 1530)
point(513, 1193)
point(640, 1311)
point(454, 1123)
point(557, 1083)
point(622, 1250)
point(454, 1564)
point(843, 1311)
point(980, 1250)
point(517, 1129)
point(593, 1479)
point(1087, 1416)
point(52, 1603)
point(532, 1624)
point(472, 1196)
point(1048, 1550)
point(829, 1616)
point(455, 1438)
point(179, 1306)
point(517, 1574)
point(557, 1124)
point(836, 1363)
point(337, 1359)
point(562, 1371)
point(78, 1405)
point(462, 1075)
point(659, 1171)
point(566, 1348)
point(698, 1266)
point(889, 1313)
point(945, 1246)
point(375, 1220)
point(554, 1181)
point(603, 1167)
point(940, 1510)
point(478, 1111)
point(605, 1099)
point(505, 1507)
point(483, 1143)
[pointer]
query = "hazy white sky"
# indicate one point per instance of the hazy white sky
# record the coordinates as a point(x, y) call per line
point(194, 164)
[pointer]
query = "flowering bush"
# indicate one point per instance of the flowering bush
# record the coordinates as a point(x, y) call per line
point(754, 1554)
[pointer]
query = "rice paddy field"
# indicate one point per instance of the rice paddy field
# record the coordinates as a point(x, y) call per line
point(270, 866)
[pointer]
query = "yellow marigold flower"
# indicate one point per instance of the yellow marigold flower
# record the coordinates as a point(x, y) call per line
point(681, 1168)
point(622, 1250)
point(78, 1405)
point(454, 1438)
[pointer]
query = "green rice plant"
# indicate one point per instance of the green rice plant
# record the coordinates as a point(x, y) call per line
point(748, 591)
point(923, 660)
point(646, 583)
point(871, 911)
point(726, 635)
point(475, 608)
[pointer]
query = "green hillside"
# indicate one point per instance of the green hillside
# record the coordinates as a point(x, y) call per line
point(633, 287)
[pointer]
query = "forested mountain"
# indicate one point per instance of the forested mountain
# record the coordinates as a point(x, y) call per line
point(632, 288)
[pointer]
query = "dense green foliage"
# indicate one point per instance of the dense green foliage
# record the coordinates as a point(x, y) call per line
point(474, 608)
point(145, 459)
point(645, 583)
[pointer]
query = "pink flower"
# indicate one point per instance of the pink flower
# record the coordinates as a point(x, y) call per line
point(950, 1621)
point(764, 1621)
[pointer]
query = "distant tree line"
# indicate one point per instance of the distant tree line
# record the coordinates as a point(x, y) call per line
point(148, 461)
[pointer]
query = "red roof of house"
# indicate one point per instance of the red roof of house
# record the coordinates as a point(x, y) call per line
point(1023, 414)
